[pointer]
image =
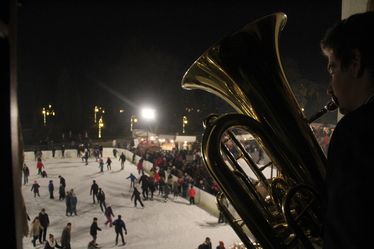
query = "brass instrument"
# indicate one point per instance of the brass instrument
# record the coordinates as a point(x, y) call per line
point(277, 211)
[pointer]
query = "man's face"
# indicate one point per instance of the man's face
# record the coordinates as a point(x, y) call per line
point(342, 85)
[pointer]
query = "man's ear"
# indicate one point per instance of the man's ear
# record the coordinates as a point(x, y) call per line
point(357, 64)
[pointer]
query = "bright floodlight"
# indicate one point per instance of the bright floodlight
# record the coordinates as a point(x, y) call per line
point(148, 113)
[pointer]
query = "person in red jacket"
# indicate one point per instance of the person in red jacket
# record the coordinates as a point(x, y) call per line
point(39, 166)
point(191, 194)
point(139, 166)
point(221, 245)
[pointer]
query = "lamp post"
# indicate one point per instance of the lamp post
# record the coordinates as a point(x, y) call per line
point(47, 111)
point(149, 114)
point(184, 123)
point(97, 109)
point(133, 120)
point(101, 125)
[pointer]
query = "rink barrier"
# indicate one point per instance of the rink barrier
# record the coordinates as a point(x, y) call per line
point(203, 199)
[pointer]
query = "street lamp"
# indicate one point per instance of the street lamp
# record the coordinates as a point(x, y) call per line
point(133, 120)
point(101, 125)
point(47, 111)
point(149, 114)
point(184, 123)
point(97, 109)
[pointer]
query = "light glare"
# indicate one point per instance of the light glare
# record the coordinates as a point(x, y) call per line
point(148, 113)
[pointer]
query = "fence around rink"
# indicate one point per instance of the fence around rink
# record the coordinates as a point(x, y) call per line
point(203, 199)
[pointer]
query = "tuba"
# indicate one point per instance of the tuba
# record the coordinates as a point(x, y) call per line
point(275, 204)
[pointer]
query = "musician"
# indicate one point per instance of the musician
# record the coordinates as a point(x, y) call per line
point(349, 48)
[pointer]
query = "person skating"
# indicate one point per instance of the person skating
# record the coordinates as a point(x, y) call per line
point(221, 245)
point(136, 196)
point(44, 222)
point(73, 202)
point(122, 158)
point(108, 163)
point(51, 243)
point(39, 166)
point(61, 192)
point(132, 180)
point(62, 181)
point(66, 237)
point(109, 214)
point(119, 224)
point(35, 188)
point(143, 180)
point(139, 166)
point(63, 151)
point(68, 203)
point(26, 174)
point(93, 230)
point(44, 174)
point(51, 188)
point(35, 228)
point(94, 190)
point(101, 199)
point(166, 192)
point(191, 194)
point(101, 165)
point(85, 156)
point(151, 186)
point(207, 244)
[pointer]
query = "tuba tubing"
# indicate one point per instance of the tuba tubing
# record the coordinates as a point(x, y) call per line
point(234, 188)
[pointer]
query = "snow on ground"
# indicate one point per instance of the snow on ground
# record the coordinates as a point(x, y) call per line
point(160, 225)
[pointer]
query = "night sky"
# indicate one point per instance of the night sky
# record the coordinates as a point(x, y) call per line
point(121, 55)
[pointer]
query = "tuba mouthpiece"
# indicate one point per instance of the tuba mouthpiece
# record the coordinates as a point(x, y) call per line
point(330, 106)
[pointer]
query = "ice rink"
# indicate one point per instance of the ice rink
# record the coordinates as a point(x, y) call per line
point(159, 225)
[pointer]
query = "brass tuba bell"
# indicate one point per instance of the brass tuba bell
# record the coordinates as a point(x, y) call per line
point(277, 210)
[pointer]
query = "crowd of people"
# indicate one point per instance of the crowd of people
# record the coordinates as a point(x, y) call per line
point(157, 180)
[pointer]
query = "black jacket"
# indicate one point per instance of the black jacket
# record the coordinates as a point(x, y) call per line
point(94, 188)
point(118, 225)
point(135, 194)
point(349, 212)
point(94, 228)
point(44, 219)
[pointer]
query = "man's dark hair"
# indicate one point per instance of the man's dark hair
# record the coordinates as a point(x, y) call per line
point(355, 32)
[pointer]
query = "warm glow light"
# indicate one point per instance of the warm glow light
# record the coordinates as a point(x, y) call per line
point(101, 125)
point(47, 112)
point(133, 120)
point(184, 123)
point(97, 109)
